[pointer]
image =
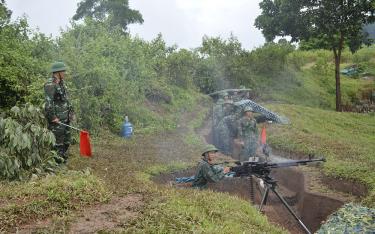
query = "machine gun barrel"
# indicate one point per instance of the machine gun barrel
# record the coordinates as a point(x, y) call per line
point(292, 163)
point(264, 168)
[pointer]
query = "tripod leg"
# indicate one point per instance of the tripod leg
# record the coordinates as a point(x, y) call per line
point(264, 199)
point(291, 211)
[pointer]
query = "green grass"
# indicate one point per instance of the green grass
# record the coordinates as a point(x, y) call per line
point(313, 89)
point(52, 196)
point(127, 166)
point(345, 139)
point(195, 211)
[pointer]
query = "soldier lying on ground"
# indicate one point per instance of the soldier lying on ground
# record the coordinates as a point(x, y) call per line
point(206, 171)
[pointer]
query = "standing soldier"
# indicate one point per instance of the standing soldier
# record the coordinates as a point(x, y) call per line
point(226, 96)
point(228, 132)
point(217, 115)
point(58, 108)
point(248, 134)
point(236, 97)
point(224, 128)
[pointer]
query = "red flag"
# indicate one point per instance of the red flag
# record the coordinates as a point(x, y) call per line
point(84, 144)
point(263, 136)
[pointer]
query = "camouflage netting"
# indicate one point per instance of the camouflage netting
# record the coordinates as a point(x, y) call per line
point(350, 218)
point(262, 110)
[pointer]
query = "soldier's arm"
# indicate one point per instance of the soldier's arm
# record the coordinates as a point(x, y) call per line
point(212, 175)
point(261, 119)
point(49, 92)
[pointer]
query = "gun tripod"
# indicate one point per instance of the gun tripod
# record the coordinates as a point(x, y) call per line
point(271, 185)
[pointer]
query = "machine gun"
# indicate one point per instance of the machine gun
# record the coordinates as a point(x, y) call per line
point(262, 170)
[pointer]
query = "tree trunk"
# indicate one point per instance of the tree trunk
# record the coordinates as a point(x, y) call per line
point(337, 53)
point(338, 87)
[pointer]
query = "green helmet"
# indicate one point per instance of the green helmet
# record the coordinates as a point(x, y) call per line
point(58, 66)
point(209, 148)
point(248, 108)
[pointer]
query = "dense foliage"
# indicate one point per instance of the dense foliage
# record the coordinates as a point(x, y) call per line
point(25, 145)
point(23, 59)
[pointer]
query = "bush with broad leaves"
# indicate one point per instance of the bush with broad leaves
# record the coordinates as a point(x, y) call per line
point(25, 144)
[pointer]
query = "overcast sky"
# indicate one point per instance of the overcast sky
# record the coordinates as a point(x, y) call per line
point(181, 22)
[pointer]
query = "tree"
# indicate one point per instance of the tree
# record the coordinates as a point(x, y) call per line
point(116, 11)
point(333, 23)
point(5, 13)
point(24, 56)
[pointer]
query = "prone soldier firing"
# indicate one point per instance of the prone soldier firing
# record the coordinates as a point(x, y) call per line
point(206, 171)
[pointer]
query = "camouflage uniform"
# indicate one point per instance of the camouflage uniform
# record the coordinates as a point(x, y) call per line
point(57, 105)
point(237, 99)
point(207, 173)
point(227, 130)
point(218, 112)
point(248, 132)
point(217, 115)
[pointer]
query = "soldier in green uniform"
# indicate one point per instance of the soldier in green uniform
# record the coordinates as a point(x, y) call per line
point(206, 171)
point(236, 96)
point(217, 115)
point(248, 134)
point(226, 96)
point(221, 130)
point(227, 130)
point(58, 108)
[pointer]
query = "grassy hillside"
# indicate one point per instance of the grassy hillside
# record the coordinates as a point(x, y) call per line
point(346, 139)
point(307, 91)
point(309, 79)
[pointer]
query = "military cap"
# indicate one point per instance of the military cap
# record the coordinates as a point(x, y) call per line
point(248, 108)
point(58, 66)
point(209, 148)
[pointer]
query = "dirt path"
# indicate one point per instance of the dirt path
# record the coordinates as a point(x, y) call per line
point(117, 161)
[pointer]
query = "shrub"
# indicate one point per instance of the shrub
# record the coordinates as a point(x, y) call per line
point(25, 144)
